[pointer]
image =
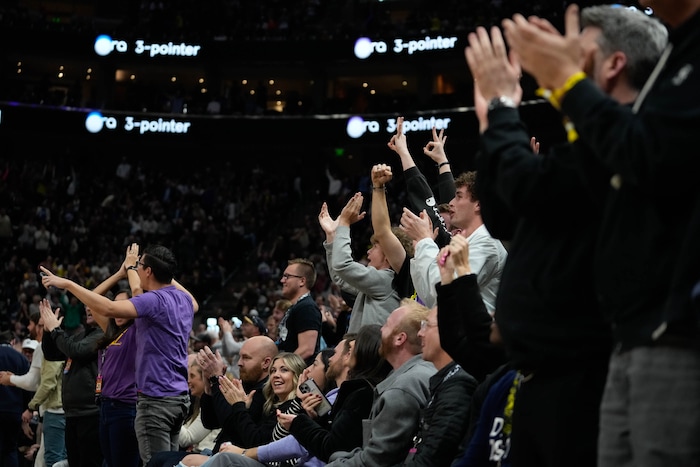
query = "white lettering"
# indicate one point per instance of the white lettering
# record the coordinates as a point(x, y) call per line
point(419, 125)
point(157, 126)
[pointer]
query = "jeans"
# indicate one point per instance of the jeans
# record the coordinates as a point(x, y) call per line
point(117, 435)
point(158, 422)
point(650, 413)
point(54, 430)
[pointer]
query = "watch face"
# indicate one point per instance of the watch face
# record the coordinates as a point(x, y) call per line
point(501, 101)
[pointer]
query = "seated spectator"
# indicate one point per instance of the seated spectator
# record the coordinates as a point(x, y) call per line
point(399, 399)
point(442, 424)
point(280, 395)
point(194, 436)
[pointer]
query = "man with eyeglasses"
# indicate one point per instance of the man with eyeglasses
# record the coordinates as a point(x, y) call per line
point(442, 426)
point(300, 328)
point(164, 311)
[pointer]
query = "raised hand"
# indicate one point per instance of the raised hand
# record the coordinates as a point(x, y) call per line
point(398, 143)
point(352, 212)
point(381, 175)
point(435, 149)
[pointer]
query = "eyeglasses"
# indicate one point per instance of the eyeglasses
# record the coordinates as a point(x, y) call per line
point(286, 276)
point(425, 324)
point(143, 265)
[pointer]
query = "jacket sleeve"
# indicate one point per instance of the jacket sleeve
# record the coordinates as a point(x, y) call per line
point(76, 349)
point(420, 197)
point(329, 247)
point(344, 435)
point(366, 279)
point(28, 381)
point(393, 429)
point(250, 433)
point(465, 327)
point(50, 379)
point(424, 271)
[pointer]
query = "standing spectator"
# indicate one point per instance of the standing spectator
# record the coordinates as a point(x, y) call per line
point(488, 254)
point(79, 352)
point(116, 378)
point(371, 285)
point(48, 402)
point(163, 321)
point(300, 328)
point(649, 151)
point(231, 344)
point(527, 189)
point(12, 400)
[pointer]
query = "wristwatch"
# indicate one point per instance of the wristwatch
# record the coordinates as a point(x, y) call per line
point(501, 101)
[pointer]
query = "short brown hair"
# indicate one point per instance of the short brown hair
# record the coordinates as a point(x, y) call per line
point(306, 269)
point(468, 180)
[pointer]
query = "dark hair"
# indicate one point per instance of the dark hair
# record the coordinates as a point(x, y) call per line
point(35, 316)
point(368, 364)
point(468, 180)
point(326, 355)
point(113, 331)
point(161, 261)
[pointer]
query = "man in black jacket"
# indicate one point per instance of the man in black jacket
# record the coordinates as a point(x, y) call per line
point(548, 310)
point(79, 351)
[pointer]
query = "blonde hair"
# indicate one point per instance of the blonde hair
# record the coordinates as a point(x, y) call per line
point(295, 363)
point(410, 323)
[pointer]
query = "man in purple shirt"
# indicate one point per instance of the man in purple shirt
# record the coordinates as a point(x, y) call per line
point(164, 311)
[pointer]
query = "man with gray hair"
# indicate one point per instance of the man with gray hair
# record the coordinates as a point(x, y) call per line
point(549, 315)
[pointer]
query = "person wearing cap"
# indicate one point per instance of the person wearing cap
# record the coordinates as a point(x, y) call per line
point(253, 326)
point(28, 348)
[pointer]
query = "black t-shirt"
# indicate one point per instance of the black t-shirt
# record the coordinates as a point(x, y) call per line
point(304, 315)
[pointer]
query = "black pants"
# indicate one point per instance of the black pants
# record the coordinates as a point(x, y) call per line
point(556, 417)
point(83, 441)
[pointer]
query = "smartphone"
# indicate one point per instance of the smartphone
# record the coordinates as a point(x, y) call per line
point(310, 386)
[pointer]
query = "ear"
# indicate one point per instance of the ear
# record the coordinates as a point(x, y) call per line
point(613, 67)
point(400, 338)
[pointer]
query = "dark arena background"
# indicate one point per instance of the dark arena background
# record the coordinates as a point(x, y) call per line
point(251, 90)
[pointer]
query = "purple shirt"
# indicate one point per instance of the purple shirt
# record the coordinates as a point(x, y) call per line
point(163, 328)
point(117, 365)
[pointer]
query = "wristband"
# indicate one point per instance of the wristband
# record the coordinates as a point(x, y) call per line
point(132, 268)
point(441, 164)
point(555, 96)
point(379, 188)
point(243, 452)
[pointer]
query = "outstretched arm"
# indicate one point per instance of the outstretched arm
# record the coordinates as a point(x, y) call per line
point(96, 302)
point(381, 223)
